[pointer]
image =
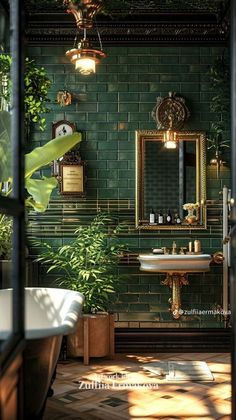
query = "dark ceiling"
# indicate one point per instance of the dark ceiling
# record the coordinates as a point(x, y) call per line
point(134, 22)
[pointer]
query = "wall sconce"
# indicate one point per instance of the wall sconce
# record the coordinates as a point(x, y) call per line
point(170, 114)
point(83, 55)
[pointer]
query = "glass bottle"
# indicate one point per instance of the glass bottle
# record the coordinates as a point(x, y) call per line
point(151, 217)
point(168, 217)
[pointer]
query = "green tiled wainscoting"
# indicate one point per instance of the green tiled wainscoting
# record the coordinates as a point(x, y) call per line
point(107, 108)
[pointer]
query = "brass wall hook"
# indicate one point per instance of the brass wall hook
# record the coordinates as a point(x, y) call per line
point(64, 98)
point(218, 257)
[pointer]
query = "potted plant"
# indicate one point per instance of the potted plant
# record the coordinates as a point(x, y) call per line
point(89, 264)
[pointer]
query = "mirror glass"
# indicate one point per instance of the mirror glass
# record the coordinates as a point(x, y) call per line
point(166, 179)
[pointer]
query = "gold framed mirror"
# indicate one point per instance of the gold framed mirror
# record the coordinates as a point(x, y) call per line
point(170, 182)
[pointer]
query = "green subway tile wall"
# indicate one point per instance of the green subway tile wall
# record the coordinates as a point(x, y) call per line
point(107, 108)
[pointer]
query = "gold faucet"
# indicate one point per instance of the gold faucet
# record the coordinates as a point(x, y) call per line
point(174, 247)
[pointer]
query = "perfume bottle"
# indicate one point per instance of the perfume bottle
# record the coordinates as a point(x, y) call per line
point(169, 217)
point(177, 219)
point(160, 218)
point(151, 217)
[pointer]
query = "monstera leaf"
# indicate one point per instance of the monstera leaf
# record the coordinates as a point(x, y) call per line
point(39, 189)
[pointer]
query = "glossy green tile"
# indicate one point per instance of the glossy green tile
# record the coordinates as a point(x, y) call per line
point(114, 164)
point(109, 193)
point(171, 59)
point(126, 193)
point(128, 107)
point(150, 298)
point(129, 297)
point(138, 87)
point(107, 174)
point(107, 145)
point(97, 87)
point(118, 116)
point(132, 77)
point(118, 87)
point(130, 59)
point(138, 307)
point(126, 174)
point(95, 116)
point(139, 116)
point(128, 97)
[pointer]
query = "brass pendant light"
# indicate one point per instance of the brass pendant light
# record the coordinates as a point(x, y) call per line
point(83, 55)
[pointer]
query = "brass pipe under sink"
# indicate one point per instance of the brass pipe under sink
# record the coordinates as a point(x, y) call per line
point(175, 281)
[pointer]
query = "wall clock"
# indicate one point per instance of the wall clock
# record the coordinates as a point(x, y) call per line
point(62, 128)
point(68, 169)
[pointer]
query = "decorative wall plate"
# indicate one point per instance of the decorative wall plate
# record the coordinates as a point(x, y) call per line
point(170, 112)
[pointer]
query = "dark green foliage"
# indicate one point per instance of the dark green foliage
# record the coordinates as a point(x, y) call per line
point(37, 85)
point(89, 263)
point(220, 81)
point(5, 237)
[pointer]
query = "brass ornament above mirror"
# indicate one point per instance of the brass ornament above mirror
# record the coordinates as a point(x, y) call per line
point(170, 183)
point(170, 112)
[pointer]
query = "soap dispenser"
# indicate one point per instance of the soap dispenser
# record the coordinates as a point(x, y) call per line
point(197, 246)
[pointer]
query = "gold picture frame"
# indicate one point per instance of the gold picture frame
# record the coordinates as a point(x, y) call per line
point(144, 136)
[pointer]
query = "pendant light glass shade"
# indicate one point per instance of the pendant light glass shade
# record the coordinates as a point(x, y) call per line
point(85, 57)
point(170, 139)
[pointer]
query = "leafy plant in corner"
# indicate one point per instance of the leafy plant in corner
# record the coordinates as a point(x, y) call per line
point(5, 237)
point(220, 81)
point(37, 85)
point(88, 264)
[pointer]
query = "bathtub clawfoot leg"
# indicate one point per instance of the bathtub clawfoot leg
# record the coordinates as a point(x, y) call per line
point(50, 390)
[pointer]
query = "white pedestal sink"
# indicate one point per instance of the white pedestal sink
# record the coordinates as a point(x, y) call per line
point(192, 263)
point(176, 268)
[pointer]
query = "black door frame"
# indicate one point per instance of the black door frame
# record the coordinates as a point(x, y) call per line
point(14, 206)
point(233, 218)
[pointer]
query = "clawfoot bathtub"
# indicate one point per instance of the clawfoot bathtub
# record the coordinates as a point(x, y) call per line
point(49, 314)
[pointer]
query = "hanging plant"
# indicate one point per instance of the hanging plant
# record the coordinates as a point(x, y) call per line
point(37, 85)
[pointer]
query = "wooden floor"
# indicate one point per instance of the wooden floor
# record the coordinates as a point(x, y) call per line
point(98, 391)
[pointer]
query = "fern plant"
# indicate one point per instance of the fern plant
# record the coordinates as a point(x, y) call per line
point(89, 263)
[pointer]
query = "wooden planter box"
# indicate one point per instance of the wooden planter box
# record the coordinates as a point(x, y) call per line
point(94, 337)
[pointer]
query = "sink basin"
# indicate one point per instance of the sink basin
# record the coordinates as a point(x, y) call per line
point(192, 263)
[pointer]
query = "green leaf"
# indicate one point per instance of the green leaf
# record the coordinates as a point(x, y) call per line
point(40, 190)
point(52, 150)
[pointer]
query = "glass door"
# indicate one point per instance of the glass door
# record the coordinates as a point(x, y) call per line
point(12, 216)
